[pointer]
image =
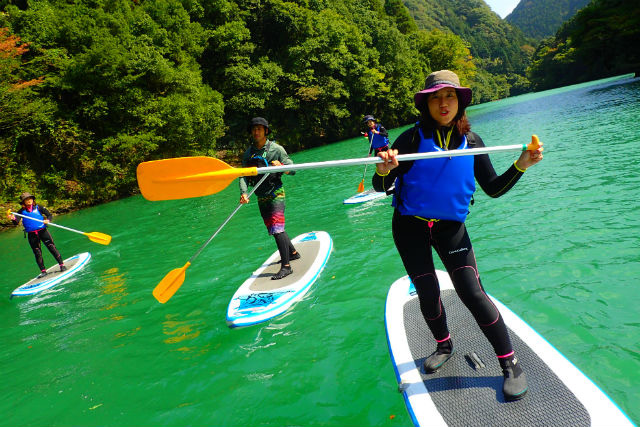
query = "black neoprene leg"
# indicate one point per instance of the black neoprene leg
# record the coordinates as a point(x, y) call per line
point(456, 252)
point(283, 242)
point(46, 238)
point(412, 239)
point(34, 242)
point(292, 249)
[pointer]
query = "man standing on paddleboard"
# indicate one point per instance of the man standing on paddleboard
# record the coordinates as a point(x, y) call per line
point(431, 201)
point(36, 228)
point(271, 198)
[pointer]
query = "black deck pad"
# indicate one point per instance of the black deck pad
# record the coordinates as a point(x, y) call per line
point(470, 396)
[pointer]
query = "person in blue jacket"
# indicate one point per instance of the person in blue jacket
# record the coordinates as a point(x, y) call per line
point(35, 228)
point(376, 134)
point(431, 201)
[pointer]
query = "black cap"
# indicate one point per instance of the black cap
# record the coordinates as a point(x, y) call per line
point(369, 117)
point(259, 121)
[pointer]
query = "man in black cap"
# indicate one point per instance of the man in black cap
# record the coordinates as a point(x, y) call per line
point(271, 199)
point(36, 228)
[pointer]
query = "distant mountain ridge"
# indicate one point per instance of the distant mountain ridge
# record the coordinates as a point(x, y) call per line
point(542, 18)
point(490, 38)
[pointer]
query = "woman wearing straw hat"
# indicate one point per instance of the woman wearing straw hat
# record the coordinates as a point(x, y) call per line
point(431, 201)
point(36, 230)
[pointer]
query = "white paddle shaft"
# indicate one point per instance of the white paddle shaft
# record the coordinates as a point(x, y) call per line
point(401, 157)
point(51, 223)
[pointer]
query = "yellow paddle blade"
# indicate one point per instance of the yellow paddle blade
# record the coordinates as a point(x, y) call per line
point(186, 177)
point(170, 284)
point(103, 239)
point(361, 186)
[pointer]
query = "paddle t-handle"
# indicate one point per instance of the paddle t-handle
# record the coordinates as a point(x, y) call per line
point(534, 145)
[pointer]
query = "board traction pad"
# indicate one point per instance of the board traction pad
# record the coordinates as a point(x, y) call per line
point(308, 250)
point(466, 396)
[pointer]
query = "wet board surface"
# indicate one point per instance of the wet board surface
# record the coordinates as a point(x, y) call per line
point(365, 196)
point(259, 298)
point(54, 275)
point(464, 393)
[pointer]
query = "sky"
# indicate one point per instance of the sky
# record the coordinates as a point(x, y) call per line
point(502, 7)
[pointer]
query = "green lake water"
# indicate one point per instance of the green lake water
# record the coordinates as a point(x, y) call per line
point(561, 249)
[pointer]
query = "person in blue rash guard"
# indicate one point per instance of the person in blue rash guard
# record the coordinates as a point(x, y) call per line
point(431, 201)
point(37, 231)
point(376, 134)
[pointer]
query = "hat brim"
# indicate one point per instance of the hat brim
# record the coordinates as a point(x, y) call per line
point(464, 95)
point(266, 128)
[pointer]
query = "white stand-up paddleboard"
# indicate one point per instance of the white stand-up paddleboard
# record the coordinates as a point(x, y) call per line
point(259, 298)
point(467, 390)
point(54, 275)
point(365, 196)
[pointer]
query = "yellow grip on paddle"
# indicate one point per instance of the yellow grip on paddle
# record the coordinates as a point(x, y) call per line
point(535, 143)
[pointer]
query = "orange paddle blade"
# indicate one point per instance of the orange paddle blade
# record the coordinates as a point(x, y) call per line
point(170, 284)
point(361, 186)
point(186, 177)
point(103, 239)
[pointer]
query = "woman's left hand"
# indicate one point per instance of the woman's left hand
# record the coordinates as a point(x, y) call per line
point(529, 158)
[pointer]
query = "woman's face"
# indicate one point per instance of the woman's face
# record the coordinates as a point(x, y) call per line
point(443, 105)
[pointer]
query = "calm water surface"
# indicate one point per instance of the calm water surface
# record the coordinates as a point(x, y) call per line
point(562, 250)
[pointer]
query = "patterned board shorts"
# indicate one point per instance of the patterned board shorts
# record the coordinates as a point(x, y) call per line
point(272, 211)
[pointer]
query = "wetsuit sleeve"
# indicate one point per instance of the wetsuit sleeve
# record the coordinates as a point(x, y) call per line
point(403, 145)
point(283, 157)
point(45, 212)
point(491, 183)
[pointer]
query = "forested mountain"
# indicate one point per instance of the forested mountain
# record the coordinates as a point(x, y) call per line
point(601, 40)
point(542, 18)
point(91, 88)
point(501, 52)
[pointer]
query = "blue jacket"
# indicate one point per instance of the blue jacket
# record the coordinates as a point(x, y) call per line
point(438, 188)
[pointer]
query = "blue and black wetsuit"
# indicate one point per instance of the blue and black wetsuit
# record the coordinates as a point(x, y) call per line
point(378, 141)
point(37, 232)
point(431, 203)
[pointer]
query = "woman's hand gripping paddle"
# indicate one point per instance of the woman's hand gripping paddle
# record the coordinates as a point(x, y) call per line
point(175, 278)
point(94, 236)
point(186, 177)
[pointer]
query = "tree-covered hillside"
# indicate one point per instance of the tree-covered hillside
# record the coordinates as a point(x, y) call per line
point(542, 18)
point(500, 51)
point(601, 40)
point(90, 88)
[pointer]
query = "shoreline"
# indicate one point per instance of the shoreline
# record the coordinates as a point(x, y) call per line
point(227, 156)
